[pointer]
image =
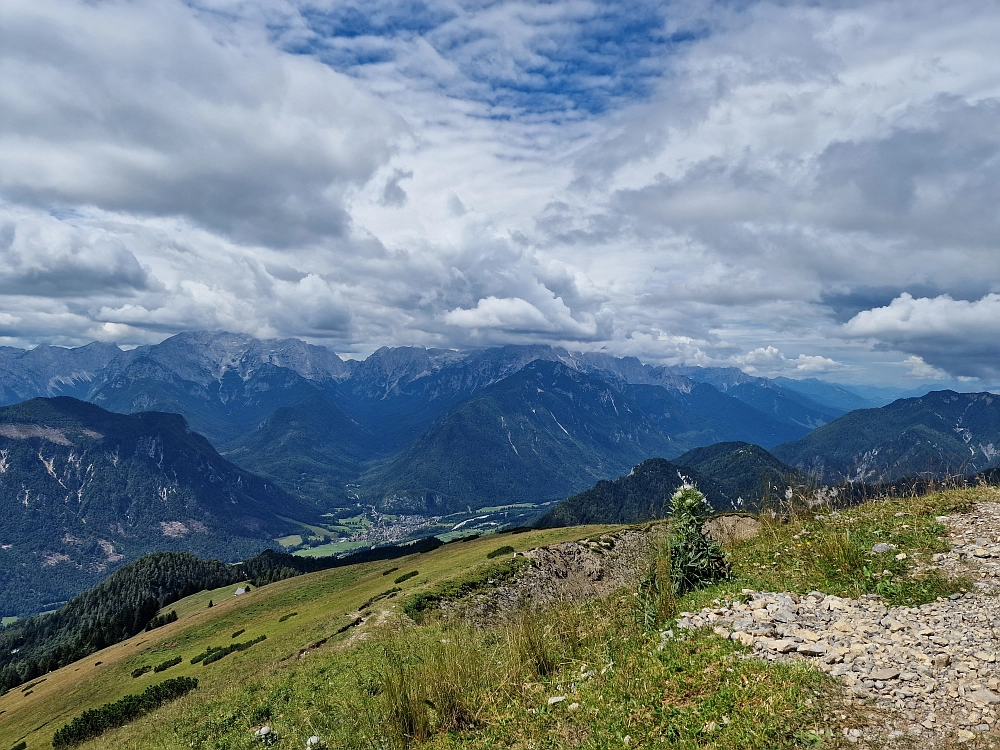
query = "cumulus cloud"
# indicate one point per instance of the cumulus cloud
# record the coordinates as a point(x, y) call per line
point(42, 256)
point(139, 108)
point(952, 335)
point(919, 369)
point(516, 315)
point(769, 361)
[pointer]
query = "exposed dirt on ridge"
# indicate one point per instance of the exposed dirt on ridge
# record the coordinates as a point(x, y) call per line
point(569, 572)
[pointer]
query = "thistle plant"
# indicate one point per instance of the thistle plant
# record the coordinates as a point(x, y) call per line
point(695, 560)
point(682, 560)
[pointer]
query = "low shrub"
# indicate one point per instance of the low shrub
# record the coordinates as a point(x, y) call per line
point(163, 666)
point(407, 576)
point(388, 593)
point(96, 721)
point(140, 671)
point(214, 653)
point(238, 633)
point(390, 570)
point(505, 550)
point(289, 616)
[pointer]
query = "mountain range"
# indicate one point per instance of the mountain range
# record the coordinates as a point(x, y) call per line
point(219, 443)
point(938, 434)
point(405, 428)
point(418, 430)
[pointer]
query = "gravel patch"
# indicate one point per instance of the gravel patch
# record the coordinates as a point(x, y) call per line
point(933, 671)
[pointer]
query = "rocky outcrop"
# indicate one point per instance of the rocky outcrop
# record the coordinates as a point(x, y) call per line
point(730, 529)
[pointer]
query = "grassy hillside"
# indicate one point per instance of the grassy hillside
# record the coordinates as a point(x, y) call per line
point(444, 685)
point(323, 603)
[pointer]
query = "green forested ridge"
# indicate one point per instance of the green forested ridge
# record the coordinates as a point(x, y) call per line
point(117, 608)
point(733, 476)
point(742, 471)
point(642, 495)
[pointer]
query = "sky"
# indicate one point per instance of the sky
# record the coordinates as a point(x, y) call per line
point(806, 189)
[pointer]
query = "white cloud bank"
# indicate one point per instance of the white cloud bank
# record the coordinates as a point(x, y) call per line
point(957, 336)
point(772, 185)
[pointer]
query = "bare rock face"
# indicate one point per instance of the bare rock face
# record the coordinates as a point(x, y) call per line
point(731, 529)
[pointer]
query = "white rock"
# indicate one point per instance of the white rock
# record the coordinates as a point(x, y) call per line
point(811, 649)
point(985, 696)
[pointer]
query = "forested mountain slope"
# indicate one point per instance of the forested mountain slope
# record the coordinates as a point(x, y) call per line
point(748, 476)
point(641, 495)
point(940, 433)
point(541, 433)
point(733, 476)
point(82, 490)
